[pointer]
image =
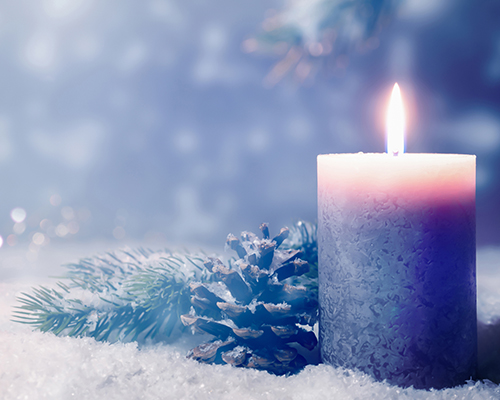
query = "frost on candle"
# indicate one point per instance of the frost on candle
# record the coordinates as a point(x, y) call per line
point(396, 242)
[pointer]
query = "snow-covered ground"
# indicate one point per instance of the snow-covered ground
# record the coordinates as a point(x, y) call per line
point(34, 365)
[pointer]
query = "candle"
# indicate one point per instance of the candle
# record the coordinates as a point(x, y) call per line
point(396, 238)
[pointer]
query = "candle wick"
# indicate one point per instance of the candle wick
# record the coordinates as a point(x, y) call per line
point(395, 153)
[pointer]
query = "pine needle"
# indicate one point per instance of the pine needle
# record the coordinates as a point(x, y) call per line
point(119, 296)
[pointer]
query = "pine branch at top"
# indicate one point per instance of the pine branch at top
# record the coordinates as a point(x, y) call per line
point(309, 36)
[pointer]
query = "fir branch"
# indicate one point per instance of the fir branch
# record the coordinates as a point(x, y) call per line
point(304, 237)
point(125, 295)
point(311, 35)
point(304, 22)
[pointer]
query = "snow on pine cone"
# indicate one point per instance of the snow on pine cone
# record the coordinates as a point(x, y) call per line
point(252, 313)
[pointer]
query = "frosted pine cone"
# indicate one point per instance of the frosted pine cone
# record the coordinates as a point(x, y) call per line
point(252, 313)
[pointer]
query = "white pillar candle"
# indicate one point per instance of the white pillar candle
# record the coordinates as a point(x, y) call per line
point(397, 289)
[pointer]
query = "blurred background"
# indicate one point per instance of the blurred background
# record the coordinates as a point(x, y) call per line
point(161, 121)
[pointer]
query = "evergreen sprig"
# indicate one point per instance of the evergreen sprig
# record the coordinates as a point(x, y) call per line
point(124, 295)
point(130, 295)
point(309, 36)
point(341, 22)
point(304, 237)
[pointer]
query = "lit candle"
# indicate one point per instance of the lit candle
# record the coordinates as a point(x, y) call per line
point(397, 286)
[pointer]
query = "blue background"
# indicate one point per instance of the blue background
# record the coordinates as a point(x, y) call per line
point(151, 121)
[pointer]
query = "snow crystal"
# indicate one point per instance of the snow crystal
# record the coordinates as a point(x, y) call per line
point(36, 365)
point(283, 306)
point(220, 289)
point(236, 351)
point(253, 305)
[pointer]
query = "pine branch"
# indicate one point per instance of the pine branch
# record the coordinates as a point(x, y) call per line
point(302, 22)
point(125, 295)
point(304, 237)
point(313, 35)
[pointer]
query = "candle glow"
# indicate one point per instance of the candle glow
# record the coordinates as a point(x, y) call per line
point(395, 123)
point(396, 262)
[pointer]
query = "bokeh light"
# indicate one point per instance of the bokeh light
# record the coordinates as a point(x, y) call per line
point(55, 200)
point(61, 230)
point(18, 215)
point(19, 228)
point(12, 240)
point(67, 213)
point(38, 238)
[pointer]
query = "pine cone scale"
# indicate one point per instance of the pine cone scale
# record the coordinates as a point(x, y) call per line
point(234, 282)
point(247, 334)
point(236, 356)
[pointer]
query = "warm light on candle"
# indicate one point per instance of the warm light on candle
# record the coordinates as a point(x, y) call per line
point(395, 123)
point(397, 261)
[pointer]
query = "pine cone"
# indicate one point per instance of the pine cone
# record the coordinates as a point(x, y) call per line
point(253, 315)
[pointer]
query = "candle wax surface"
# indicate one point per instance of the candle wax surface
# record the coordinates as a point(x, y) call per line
point(415, 177)
point(397, 291)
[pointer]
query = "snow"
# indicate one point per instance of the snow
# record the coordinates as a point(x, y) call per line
point(35, 365)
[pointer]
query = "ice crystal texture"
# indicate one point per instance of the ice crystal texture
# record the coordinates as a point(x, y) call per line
point(397, 288)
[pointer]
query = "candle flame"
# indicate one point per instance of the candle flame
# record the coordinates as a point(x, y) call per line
point(395, 123)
